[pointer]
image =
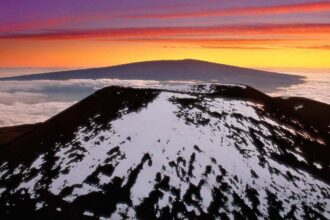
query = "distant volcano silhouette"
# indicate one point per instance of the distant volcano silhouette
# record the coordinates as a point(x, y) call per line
point(176, 70)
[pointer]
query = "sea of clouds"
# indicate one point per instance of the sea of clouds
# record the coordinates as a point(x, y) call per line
point(24, 102)
point(316, 86)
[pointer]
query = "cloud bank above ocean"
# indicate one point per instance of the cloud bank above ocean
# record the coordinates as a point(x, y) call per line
point(316, 87)
point(24, 102)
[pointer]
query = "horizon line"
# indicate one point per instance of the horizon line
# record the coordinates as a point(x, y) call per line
point(73, 68)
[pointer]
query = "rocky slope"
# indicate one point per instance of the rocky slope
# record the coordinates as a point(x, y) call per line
point(10, 133)
point(203, 152)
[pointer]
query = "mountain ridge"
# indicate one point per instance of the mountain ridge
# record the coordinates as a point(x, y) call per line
point(208, 151)
point(175, 70)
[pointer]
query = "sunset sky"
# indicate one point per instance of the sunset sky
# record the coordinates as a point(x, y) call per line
point(90, 33)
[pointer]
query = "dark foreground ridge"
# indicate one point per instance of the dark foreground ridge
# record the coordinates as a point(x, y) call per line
point(9, 133)
point(200, 152)
point(176, 70)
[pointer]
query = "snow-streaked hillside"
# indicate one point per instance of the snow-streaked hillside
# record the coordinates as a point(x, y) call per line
point(222, 151)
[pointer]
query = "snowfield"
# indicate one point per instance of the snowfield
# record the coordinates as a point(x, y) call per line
point(182, 154)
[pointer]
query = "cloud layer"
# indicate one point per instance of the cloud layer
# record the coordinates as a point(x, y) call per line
point(107, 11)
point(58, 33)
point(314, 29)
point(312, 7)
point(316, 87)
point(22, 113)
point(23, 102)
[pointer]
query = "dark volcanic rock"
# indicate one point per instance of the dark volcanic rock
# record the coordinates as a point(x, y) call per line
point(9, 133)
point(204, 152)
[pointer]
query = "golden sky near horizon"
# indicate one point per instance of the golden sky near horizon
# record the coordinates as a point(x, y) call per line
point(288, 34)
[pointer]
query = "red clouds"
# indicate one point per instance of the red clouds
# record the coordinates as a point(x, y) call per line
point(248, 11)
point(240, 34)
point(167, 13)
point(177, 32)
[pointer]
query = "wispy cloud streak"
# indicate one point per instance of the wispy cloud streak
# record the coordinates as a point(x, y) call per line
point(267, 29)
point(164, 12)
point(247, 11)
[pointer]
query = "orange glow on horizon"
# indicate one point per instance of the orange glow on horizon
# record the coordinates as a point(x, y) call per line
point(80, 53)
point(281, 34)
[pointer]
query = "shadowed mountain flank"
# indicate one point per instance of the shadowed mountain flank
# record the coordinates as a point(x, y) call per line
point(193, 152)
point(9, 133)
point(180, 70)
